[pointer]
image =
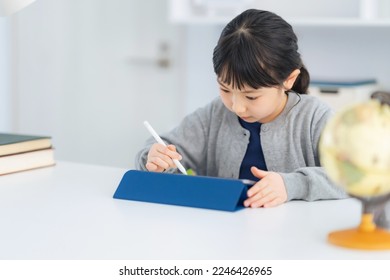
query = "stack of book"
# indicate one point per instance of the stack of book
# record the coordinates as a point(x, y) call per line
point(24, 152)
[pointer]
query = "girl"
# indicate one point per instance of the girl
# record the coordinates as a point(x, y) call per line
point(261, 127)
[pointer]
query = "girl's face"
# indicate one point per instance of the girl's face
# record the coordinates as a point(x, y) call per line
point(254, 105)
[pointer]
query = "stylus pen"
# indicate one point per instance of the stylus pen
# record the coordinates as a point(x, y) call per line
point(159, 140)
point(248, 182)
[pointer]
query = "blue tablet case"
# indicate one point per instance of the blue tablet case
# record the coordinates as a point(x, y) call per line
point(183, 190)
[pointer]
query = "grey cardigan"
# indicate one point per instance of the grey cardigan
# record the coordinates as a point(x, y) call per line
point(213, 143)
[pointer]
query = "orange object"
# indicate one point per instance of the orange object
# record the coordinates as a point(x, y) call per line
point(367, 236)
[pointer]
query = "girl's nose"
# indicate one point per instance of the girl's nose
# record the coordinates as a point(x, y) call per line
point(238, 107)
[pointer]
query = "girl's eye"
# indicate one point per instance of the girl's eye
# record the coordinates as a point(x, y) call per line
point(251, 98)
point(224, 90)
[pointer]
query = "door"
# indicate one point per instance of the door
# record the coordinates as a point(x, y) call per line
point(89, 72)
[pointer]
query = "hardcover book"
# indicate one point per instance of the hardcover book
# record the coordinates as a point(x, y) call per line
point(26, 161)
point(18, 143)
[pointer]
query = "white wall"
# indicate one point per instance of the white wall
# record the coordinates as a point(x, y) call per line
point(201, 85)
point(347, 52)
point(83, 71)
point(79, 83)
point(5, 77)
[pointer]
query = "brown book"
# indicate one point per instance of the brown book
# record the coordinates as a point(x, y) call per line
point(18, 143)
point(26, 161)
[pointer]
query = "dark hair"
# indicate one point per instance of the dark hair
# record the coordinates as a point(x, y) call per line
point(259, 49)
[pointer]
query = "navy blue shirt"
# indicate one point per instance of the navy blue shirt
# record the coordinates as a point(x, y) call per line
point(254, 153)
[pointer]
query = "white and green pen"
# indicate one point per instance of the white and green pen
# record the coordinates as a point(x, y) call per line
point(159, 140)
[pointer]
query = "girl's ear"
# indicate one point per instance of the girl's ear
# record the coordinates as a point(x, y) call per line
point(289, 82)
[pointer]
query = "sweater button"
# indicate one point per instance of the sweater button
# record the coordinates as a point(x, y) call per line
point(264, 128)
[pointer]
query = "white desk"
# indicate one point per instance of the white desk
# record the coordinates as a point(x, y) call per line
point(67, 212)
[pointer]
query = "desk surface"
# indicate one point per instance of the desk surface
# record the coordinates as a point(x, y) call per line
point(67, 212)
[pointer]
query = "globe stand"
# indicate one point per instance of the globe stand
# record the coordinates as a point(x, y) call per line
point(367, 236)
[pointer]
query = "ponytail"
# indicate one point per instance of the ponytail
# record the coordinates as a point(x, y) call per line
point(301, 84)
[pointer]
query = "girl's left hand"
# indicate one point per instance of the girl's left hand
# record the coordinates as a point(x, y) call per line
point(270, 191)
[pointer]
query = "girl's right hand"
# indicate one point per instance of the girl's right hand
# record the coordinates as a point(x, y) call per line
point(161, 158)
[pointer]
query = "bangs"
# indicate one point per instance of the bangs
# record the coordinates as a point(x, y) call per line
point(239, 68)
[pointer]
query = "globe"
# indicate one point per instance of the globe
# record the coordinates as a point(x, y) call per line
point(355, 152)
point(355, 149)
